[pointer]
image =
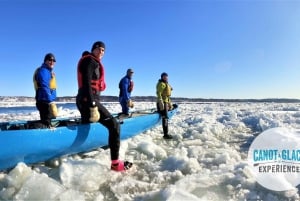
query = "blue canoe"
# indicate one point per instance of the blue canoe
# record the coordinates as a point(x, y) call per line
point(20, 143)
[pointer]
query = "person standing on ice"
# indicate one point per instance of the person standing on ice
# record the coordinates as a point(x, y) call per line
point(45, 90)
point(163, 93)
point(90, 76)
point(126, 87)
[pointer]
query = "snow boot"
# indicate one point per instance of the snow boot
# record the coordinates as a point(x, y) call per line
point(120, 166)
point(168, 137)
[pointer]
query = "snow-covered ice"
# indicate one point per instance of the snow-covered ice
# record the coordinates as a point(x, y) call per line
point(207, 160)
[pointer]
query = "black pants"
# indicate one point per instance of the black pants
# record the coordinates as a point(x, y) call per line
point(164, 119)
point(107, 120)
point(165, 125)
point(45, 115)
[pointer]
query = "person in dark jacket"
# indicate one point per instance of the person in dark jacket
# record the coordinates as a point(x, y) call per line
point(126, 87)
point(91, 81)
point(45, 87)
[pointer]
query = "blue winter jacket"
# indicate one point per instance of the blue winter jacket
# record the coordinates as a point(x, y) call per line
point(124, 86)
point(44, 76)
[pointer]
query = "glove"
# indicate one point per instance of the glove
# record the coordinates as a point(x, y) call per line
point(160, 105)
point(94, 114)
point(170, 106)
point(130, 103)
point(53, 110)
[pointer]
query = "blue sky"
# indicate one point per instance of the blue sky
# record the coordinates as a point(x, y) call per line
point(210, 49)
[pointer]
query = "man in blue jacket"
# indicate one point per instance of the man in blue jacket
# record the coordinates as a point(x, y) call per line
point(45, 87)
point(126, 87)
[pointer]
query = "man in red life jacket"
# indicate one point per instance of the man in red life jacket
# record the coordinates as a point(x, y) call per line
point(90, 75)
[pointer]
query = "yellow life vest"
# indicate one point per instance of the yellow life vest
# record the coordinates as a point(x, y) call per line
point(52, 83)
point(163, 91)
point(167, 91)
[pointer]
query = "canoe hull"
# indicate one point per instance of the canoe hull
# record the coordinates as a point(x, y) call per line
point(38, 145)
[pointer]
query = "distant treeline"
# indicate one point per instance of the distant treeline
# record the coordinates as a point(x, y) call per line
point(153, 99)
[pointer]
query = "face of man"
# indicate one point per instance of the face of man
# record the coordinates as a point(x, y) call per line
point(50, 62)
point(99, 52)
point(165, 78)
point(130, 74)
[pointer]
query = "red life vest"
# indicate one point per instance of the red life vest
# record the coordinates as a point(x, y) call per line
point(96, 84)
point(130, 87)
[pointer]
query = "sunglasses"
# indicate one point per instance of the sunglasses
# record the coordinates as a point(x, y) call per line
point(52, 60)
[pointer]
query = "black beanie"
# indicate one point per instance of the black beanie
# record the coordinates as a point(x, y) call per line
point(49, 56)
point(97, 45)
point(163, 74)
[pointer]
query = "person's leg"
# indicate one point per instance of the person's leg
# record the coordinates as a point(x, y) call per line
point(39, 107)
point(165, 126)
point(84, 110)
point(164, 112)
point(165, 122)
point(114, 139)
point(113, 129)
point(125, 109)
point(45, 115)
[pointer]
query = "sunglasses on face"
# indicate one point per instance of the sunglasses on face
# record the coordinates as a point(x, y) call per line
point(52, 60)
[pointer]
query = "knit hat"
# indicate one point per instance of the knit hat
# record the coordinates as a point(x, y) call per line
point(49, 56)
point(163, 74)
point(129, 70)
point(98, 44)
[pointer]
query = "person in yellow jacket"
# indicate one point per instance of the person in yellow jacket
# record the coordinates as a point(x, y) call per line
point(164, 104)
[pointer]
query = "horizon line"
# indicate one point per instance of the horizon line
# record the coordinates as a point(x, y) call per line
point(178, 97)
